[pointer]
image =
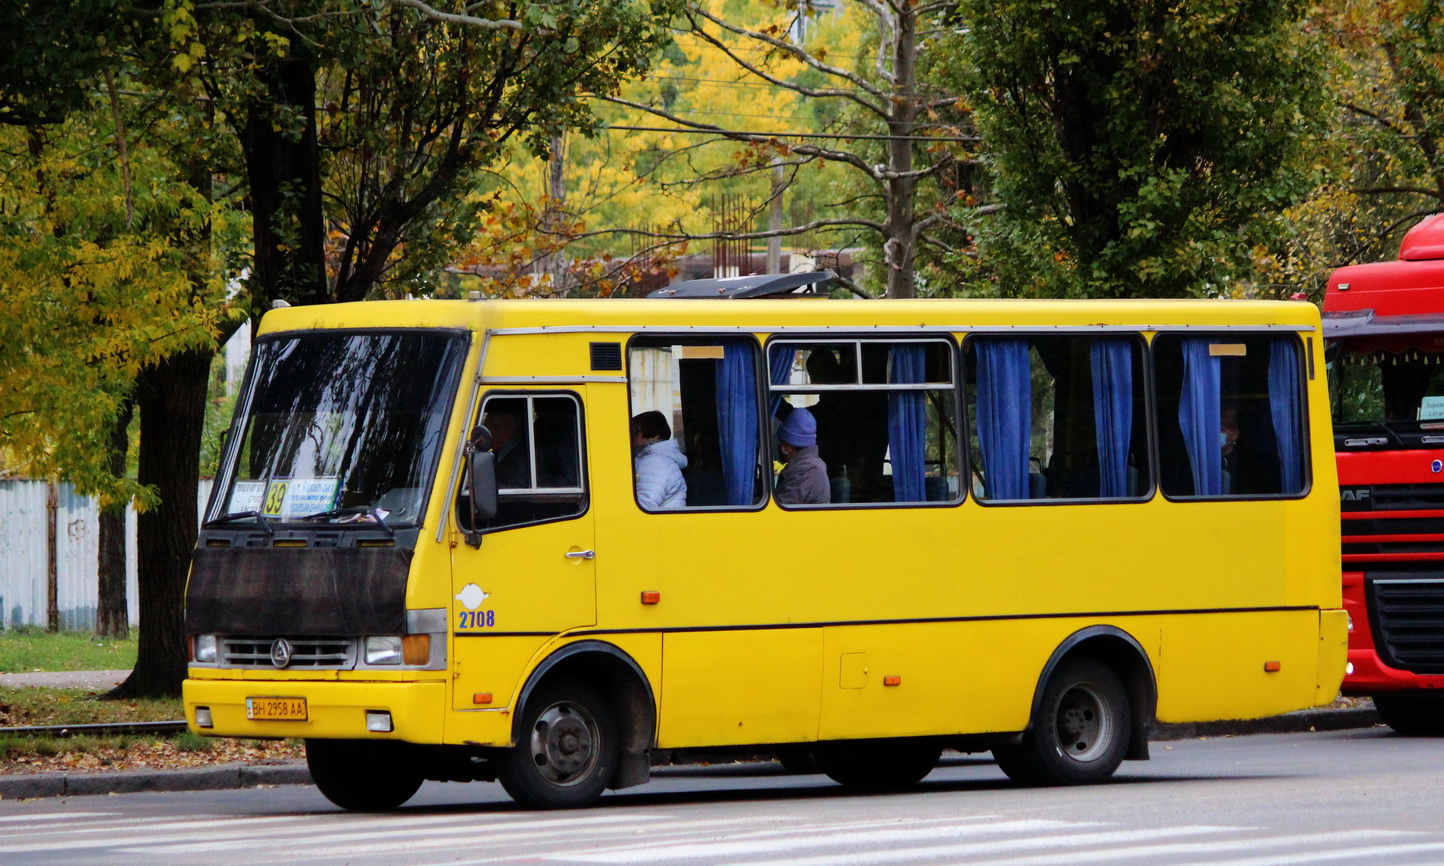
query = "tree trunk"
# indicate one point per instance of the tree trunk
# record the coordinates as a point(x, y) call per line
point(901, 225)
point(112, 613)
point(171, 396)
point(284, 169)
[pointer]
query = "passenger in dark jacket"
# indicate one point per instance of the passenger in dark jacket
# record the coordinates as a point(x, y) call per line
point(803, 481)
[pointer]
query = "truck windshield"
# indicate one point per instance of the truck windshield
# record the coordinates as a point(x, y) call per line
point(1369, 385)
point(340, 427)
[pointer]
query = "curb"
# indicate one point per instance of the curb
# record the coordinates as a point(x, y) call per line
point(235, 776)
point(224, 777)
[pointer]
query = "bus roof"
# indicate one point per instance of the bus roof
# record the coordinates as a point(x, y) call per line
point(771, 315)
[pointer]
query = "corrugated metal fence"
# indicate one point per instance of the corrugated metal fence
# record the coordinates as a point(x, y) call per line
point(25, 528)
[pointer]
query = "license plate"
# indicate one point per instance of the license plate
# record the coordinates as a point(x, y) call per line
point(276, 709)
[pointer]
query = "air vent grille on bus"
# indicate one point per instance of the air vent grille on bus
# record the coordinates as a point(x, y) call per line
point(1408, 619)
point(606, 356)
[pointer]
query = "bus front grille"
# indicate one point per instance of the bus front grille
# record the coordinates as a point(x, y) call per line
point(305, 653)
point(1408, 621)
point(1400, 523)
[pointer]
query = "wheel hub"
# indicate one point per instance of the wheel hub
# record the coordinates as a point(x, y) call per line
point(1083, 723)
point(563, 743)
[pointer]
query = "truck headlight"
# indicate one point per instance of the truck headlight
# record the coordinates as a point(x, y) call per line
point(383, 650)
point(205, 649)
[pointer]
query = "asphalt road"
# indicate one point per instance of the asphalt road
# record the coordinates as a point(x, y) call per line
point(1336, 797)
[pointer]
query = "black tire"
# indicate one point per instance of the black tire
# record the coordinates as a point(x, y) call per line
point(1081, 732)
point(362, 776)
point(566, 751)
point(885, 765)
point(1411, 713)
point(799, 761)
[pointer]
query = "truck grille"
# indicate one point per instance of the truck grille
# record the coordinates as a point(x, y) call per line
point(1394, 523)
point(306, 653)
point(1408, 620)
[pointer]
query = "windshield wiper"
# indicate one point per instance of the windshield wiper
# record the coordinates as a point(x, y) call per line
point(242, 515)
point(353, 510)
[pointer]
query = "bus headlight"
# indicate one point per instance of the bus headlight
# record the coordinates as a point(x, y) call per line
point(383, 650)
point(205, 649)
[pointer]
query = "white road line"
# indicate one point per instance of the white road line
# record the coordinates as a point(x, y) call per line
point(732, 849)
point(1111, 854)
point(969, 851)
point(1337, 854)
point(111, 826)
point(466, 834)
point(56, 816)
point(665, 834)
point(185, 840)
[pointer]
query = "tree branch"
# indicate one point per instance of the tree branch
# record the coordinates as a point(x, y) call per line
point(879, 108)
point(467, 20)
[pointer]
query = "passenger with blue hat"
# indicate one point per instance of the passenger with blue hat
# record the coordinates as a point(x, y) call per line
point(803, 481)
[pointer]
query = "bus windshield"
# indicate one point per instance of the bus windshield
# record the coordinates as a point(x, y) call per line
point(340, 427)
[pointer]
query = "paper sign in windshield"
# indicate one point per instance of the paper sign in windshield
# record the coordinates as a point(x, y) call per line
point(298, 497)
point(246, 496)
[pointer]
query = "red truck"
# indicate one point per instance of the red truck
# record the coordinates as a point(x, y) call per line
point(1384, 323)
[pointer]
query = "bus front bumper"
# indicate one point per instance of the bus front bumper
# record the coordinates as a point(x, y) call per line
point(413, 712)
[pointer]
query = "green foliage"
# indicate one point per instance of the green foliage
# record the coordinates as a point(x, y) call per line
point(1139, 148)
point(50, 53)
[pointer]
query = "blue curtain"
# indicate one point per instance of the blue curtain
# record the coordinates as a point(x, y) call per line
point(1285, 407)
point(907, 424)
point(781, 371)
point(1199, 409)
point(737, 420)
point(1005, 415)
point(1112, 362)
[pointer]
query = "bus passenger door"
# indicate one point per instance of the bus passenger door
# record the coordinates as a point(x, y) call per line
point(533, 575)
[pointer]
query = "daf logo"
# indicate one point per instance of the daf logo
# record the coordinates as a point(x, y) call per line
point(280, 652)
point(1359, 494)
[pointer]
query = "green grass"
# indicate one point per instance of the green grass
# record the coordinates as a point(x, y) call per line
point(35, 705)
point(26, 649)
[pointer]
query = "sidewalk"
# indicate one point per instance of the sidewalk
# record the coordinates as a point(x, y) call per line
point(229, 776)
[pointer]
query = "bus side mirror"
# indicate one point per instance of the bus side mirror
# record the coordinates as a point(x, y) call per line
point(481, 478)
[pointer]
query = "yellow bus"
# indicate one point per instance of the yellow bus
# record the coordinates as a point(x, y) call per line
point(533, 542)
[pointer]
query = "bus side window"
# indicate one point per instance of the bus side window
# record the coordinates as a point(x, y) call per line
point(537, 443)
point(885, 412)
point(1230, 414)
point(1058, 417)
point(706, 390)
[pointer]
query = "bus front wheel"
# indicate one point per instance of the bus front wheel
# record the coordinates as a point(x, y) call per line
point(566, 751)
point(1081, 732)
point(362, 776)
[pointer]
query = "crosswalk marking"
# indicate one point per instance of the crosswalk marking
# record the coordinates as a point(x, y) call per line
point(639, 836)
point(1340, 854)
point(732, 849)
point(1134, 852)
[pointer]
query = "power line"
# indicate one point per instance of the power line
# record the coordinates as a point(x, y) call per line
point(858, 137)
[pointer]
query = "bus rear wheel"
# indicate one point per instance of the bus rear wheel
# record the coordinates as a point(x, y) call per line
point(878, 765)
point(1412, 714)
point(1081, 732)
point(363, 776)
point(567, 749)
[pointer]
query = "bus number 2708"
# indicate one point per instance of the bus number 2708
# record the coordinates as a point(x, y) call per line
point(477, 619)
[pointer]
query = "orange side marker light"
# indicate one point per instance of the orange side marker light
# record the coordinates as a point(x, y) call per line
point(892, 680)
point(651, 597)
point(1272, 667)
point(481, 698)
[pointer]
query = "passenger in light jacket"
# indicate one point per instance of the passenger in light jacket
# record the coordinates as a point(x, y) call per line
point(657, 463)
point(803, 481)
